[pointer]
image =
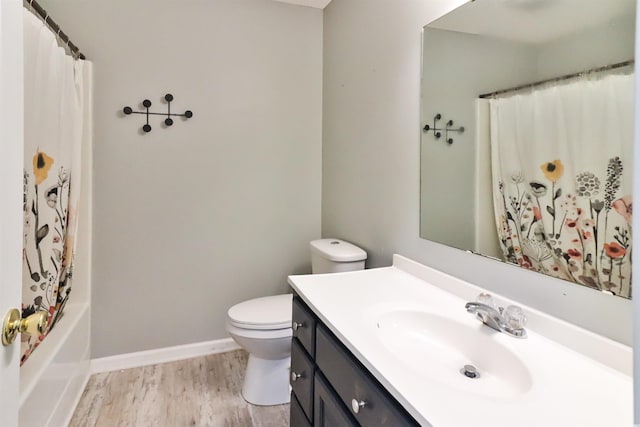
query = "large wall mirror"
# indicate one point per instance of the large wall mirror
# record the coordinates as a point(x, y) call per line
point(526, 147)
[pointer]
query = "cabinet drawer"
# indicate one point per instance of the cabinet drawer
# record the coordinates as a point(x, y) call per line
point(304, 325)
point(329, 412)
point(297, 418)
point(302, 377)
point(354, 384)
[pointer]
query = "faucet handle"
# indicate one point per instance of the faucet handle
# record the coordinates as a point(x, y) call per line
point(514, 317)
point(487, 299)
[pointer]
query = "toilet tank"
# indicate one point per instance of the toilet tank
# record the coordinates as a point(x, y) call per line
point(335, 256)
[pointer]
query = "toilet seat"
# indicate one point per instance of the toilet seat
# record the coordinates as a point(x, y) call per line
point(259, 334)
point(266, 313)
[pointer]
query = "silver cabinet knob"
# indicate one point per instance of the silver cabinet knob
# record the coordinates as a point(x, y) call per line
point(295, 376)
point(297, 325)
point(356, 405)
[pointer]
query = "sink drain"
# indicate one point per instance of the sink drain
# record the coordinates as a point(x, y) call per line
point(470, 371)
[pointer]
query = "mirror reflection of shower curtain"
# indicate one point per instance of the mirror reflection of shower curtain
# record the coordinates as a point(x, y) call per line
point(562, 175)
point(55, 126)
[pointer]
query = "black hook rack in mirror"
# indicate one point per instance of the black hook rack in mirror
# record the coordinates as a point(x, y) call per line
point(168, 121)
point(437, 132)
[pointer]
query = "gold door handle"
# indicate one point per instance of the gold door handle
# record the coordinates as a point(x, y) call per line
point(36, 324)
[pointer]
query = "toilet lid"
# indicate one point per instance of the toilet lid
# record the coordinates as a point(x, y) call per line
point(263, 313)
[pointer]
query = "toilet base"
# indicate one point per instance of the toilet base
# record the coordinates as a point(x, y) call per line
point(266, 382)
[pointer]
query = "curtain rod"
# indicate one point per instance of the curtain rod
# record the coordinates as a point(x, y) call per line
point(75, 50)
point(557, 79)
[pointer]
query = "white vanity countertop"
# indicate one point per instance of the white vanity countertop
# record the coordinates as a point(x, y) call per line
point(562, 375)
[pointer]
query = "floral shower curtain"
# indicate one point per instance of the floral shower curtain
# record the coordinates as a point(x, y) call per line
point(55, 123)
point(562, 175)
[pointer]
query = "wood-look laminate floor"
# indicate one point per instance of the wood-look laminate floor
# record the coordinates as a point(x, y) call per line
point(203, 391)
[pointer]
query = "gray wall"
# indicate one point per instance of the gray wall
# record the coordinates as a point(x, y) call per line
point(371, 164)
point(192, 219)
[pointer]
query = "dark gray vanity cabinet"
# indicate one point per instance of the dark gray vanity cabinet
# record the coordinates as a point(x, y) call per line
point(302, 372)
point(330, 387)
point(303, 322)
point(329, 412)
point(297, 416)
point(303, 366)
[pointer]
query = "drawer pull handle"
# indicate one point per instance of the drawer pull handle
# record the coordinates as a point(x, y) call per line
point(356, 405)
point(297, 325)
point(295, 376)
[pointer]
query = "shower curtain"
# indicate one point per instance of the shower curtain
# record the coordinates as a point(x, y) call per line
point(56, 126)
point(562, 175)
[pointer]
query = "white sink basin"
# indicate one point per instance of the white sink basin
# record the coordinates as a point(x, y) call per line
point(436, 348)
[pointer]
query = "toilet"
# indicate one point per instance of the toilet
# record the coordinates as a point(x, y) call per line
point(262, 326)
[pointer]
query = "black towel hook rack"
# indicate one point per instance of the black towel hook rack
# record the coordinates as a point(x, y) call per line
point(437, 132)
point(147, 104)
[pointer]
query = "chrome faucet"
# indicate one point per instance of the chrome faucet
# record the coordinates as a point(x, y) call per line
point(510, 320)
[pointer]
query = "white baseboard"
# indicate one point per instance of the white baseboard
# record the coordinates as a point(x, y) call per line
point(162, 355)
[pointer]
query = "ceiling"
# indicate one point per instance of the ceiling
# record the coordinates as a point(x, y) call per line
point(319, 4)
point(533, 21)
